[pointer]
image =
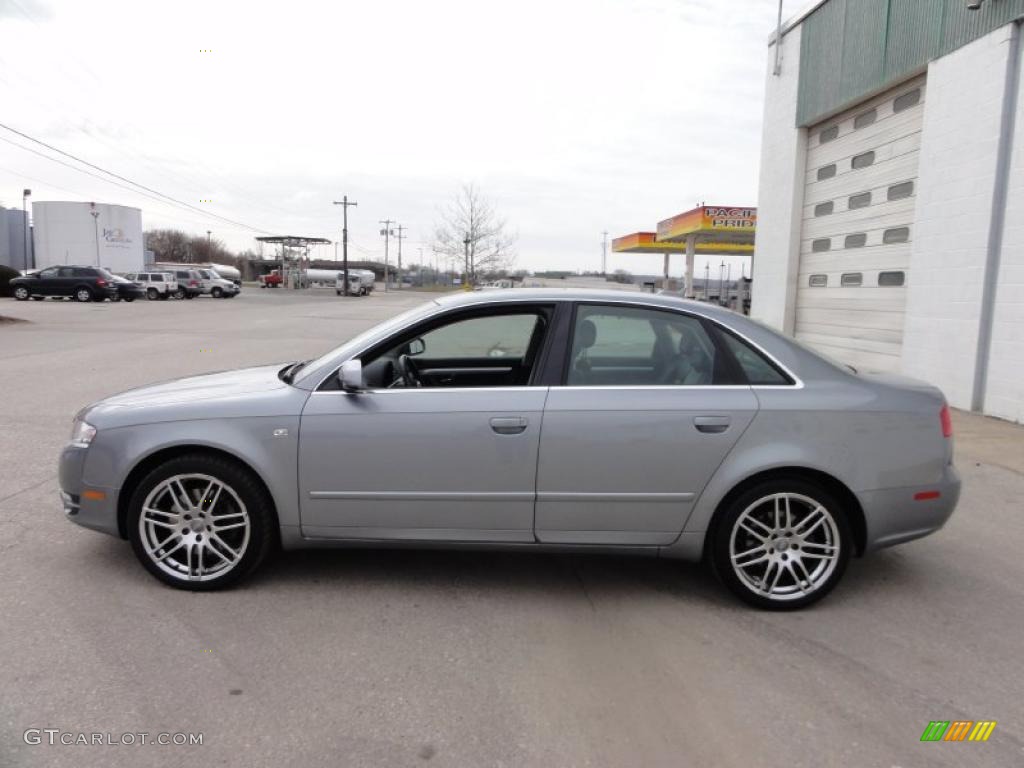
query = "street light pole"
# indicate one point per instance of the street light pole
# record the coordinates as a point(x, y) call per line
point(96, 227)
point(387, 233)
point(344, 241)
point(466, 242)
point(25, 227)
point(400, 237)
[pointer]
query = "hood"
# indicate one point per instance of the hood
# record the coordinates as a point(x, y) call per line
point(223, 386)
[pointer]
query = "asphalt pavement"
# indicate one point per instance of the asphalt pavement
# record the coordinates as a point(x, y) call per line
point(414, 658)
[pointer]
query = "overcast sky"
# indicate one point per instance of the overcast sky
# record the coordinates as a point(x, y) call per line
point(573, 116)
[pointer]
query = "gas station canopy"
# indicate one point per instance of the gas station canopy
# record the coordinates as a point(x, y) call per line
point(707, 229)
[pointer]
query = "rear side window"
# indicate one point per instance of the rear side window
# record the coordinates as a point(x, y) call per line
point(756, 367)
point(632, 346)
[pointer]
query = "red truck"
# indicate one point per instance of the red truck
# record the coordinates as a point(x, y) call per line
point(271, 280)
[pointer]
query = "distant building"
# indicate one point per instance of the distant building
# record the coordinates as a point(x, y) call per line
point(70, 233)
point(13, 232)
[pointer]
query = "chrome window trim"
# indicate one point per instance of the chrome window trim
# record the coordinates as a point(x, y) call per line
point(499, 301)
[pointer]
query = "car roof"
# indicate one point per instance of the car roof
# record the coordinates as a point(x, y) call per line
point(607, 295)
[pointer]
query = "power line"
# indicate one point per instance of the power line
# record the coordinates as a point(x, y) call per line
point(122, 178)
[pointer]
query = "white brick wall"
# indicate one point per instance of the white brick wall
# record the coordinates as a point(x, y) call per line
point(780, 192)
point(1004, 395)
point(962, 118)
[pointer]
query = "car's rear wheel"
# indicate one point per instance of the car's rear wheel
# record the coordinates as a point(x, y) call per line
point(152, 294)
point(21, 293)
point(200, 522)
point(83, 294)
point(782, 544)
point(180, 293)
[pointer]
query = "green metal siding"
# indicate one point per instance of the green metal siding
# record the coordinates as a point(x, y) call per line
point(851, 48)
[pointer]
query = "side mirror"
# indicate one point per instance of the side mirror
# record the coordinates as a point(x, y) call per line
point(351, 376)
point(417, 347)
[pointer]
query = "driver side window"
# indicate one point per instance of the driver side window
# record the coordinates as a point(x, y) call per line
point(492, 350)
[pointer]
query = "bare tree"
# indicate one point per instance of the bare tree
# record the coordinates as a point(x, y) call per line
point(471, 217)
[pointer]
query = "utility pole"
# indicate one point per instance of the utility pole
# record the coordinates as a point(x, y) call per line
point(209, 246)
point(707, 277)
point(400, 237)
point(466, 242)
point(344, 203)
point(721, 276)
point(728, 283)
point(25, 227)
point(604, 253)
point(387, 233)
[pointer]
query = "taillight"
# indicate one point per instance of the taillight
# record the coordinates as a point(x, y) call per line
point(947, 422)
point(100, 282)
point(193, 283)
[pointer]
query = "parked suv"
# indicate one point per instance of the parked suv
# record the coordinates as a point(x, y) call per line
point(157, 285)
point(215, 285)
point(79, 283)
point(190, 283)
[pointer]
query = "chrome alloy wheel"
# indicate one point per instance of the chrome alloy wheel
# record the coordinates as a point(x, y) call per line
point(194, 527)
point(784, 546)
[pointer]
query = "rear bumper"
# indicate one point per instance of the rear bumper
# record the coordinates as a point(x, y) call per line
point(894, 515)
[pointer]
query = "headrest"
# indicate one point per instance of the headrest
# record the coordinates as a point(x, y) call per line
point(586, 334)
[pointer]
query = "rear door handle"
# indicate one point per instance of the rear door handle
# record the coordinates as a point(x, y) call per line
point(509, 425)
point(711, 424)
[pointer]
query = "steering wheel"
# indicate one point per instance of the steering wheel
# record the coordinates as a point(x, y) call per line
point(407, 372)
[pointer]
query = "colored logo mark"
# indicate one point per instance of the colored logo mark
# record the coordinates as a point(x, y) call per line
point(958, 730)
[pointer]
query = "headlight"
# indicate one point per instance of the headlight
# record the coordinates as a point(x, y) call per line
point(82, 434)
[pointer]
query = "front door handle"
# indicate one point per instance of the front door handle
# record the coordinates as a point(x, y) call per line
point(711, 424)
point(509, 425)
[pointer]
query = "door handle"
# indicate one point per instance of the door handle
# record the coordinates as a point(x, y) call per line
point(711, 424)
point(509, 425)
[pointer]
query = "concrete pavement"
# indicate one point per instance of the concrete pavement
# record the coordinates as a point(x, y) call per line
point(406, 658)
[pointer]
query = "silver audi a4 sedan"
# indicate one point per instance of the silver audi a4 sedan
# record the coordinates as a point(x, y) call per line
point(527, 419)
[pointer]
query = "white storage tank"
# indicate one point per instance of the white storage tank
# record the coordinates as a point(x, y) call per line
point(87, 233)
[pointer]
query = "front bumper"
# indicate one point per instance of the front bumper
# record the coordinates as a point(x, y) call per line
point(894, 515)
point(98, 508)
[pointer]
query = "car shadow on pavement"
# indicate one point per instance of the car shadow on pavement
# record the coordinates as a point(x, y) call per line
point(590, 577)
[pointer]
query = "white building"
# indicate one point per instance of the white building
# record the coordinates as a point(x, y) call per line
point(891, 201)
point(88, 234)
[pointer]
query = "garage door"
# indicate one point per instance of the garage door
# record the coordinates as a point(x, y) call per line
point(857, 228)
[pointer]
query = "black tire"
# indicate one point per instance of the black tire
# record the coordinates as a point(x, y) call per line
point(180, 293)
point(152, 294)
point(216, 293)
point(262, 536)
point(783, 552)
point(83, 294)
point(21, 293)
point(129, 299)
point(165, 296)
point(190, 295)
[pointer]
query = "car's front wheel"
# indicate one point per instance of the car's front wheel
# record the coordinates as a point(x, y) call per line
point(200, 522)
point(216, 293)
point(782, 544)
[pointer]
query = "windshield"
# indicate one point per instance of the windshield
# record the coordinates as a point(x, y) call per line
point(319, 366)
